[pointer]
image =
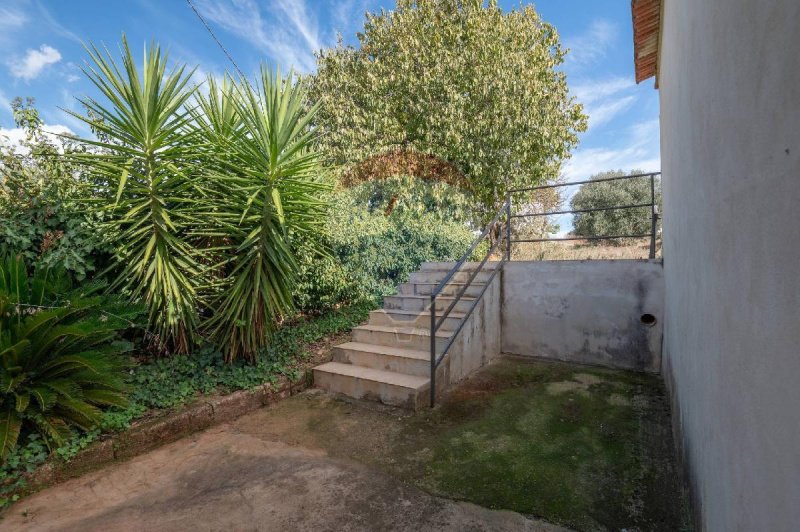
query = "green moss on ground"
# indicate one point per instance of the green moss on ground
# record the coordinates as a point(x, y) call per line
point(587, 448)
point(551, 440)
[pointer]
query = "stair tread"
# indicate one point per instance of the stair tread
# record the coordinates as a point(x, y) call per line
point(376, 375)
point(386, 350)
point(423, 331)
point(453, 314)
point(417, 296)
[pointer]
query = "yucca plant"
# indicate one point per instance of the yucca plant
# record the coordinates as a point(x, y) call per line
point(60, 357)
point(274, 193)
point(146, 155)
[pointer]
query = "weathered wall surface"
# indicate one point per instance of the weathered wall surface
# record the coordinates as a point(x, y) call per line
point(584, 311)
point(479, 341)
point(730, 150)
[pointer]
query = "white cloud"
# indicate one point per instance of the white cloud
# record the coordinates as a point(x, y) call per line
point(597, 89)
point(54, 25)
point(5, 103)
point(289, 33)
point(639, 150)
point(592, 45)
point(605, 111)
point(348, 15)
point(30, 66)
point(605, 99)
point(303, 21)
point(11, 19)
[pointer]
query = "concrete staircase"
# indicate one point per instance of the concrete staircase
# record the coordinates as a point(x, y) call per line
point(388, 360)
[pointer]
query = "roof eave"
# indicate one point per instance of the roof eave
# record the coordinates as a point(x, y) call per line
point(646, 16)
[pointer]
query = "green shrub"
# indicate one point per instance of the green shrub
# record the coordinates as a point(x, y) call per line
point(42, 213)
point(371, 253)
point(60, 357)
point(324, 283)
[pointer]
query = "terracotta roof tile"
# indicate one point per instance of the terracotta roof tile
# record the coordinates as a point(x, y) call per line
point(646, 27)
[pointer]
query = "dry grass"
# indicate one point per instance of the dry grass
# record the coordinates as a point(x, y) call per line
point(585, 250)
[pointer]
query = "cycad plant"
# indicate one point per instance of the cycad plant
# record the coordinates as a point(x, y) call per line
point(273, 193)
point(60, 359)
point(146, 156)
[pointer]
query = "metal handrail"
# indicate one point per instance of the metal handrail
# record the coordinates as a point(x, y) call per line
point(436, 324)
point(571, 183)
point(505, 236)
point(594, 209)
point(652, 204)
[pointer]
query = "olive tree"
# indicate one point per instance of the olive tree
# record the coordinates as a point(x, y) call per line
point(604, 194)
point(460, 80)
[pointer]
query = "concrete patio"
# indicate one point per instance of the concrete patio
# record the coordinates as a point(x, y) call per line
point(585, 447)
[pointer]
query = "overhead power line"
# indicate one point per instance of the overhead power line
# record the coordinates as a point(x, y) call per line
point(211, 32)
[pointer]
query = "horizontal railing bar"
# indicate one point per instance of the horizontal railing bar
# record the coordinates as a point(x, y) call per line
point(572, 183)
point(634, 206)
point(465, 318)
point(466, 285)
point(579, 238)
point(466, 255)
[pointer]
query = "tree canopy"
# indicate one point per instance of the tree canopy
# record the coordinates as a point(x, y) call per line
point(457, 79)
point(614, 194)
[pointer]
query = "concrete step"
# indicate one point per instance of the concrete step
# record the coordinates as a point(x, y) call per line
point(416, 338)
point(382, 357)
point(450, 289)
point(436, 276)
point(467, 266)
point(422, 303)
point(388, 387)
point(412, 318)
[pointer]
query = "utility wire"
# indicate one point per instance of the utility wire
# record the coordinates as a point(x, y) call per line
point(211, 32)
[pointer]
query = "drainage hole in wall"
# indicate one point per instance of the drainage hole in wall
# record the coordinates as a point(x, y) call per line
point(648, 319)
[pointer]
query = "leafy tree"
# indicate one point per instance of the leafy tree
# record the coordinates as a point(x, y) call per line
point(407, 194)
point(59, 355)
point(42, 213)
point(613, 194)
point(455, 79)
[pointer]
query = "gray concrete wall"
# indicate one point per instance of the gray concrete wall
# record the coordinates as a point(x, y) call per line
point(584, 311)
point(730, 150)
point(478, 342)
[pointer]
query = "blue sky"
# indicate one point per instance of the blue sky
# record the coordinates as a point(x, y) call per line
point(41, 54)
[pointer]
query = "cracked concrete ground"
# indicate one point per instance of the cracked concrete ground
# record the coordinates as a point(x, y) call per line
point(228, 479)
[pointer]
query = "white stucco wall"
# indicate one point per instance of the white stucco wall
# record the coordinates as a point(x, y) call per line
point(730, 133)
point(586, 311)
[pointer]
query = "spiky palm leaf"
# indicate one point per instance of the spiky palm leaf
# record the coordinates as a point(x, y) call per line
point(274, 192)
point(146, 157)
point(59, 358)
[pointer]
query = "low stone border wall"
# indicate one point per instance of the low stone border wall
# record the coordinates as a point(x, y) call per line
point(148, 434)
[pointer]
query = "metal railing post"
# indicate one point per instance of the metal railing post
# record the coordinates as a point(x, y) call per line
point(433, 350)
point(653, 216)
point(508, 227)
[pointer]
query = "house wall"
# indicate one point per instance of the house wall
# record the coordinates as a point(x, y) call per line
point(729, 86)
point(584, 311)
